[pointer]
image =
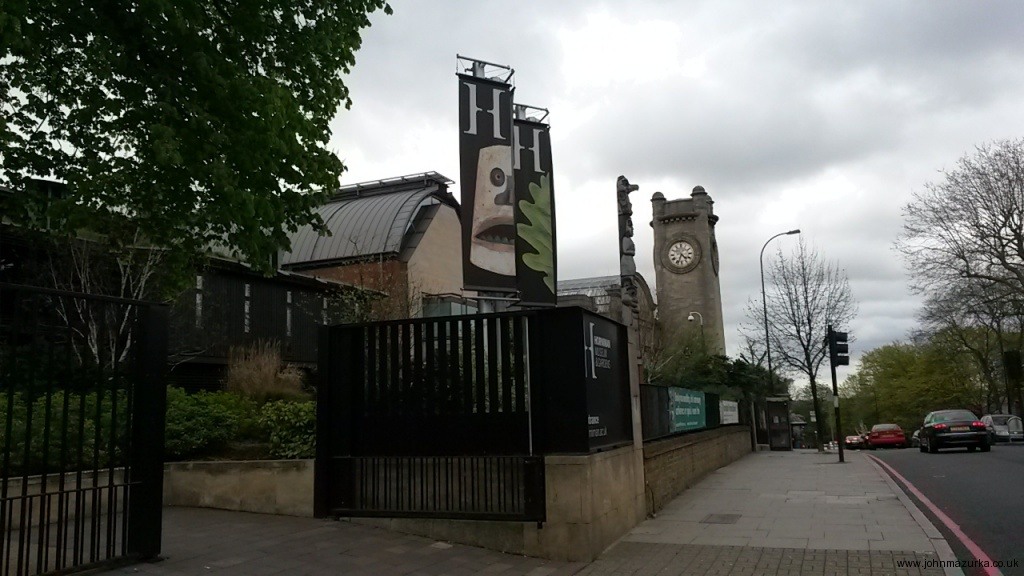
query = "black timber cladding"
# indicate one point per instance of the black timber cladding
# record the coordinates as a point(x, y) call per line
point(271, 316)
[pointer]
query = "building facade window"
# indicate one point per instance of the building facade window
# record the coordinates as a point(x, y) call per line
point(247, 306)
point(288, 314)
point(199, 301)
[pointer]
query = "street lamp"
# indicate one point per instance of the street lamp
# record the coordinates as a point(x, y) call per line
point(701, 316)
point(764, 302)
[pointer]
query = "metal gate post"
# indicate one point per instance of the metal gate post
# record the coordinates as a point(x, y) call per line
point(146, 464)
point(322, 459)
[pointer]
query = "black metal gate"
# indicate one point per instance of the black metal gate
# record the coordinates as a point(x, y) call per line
point(452, 417)
point(82, 401)
point(428, 418)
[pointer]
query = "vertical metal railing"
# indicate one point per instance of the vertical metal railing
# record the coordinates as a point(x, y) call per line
point(428, 418)
point(462, 487)
point(81, 412)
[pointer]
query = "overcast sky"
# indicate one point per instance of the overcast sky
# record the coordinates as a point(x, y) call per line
point(824, 116)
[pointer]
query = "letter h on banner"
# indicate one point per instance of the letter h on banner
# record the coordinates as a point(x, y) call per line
point(485, 153)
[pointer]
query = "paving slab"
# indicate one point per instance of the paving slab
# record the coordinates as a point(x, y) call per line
point(816, 502)
point(777, 513)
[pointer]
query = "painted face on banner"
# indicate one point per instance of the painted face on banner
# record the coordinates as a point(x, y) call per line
point(493, 238)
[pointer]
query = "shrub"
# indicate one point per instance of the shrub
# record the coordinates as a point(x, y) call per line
point(200, 424)
point(257, 371)
point(292, 428)
point(72, 439)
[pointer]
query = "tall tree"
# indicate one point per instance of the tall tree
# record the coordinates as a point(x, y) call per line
point(981, 322)
point(963, 242)
point(970, 224)
point(806, 294)
point(198, 121)
point(902, 382)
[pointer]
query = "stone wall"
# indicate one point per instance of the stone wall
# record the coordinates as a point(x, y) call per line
point(265, 486)
point(591, 502)
point(79, 496)
point(674, 464)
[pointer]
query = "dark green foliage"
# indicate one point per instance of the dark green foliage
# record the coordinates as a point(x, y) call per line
point(201, 424)
point(81, 434)
point(685, 362)
point(900, 383)
point(192, 121)
point(292, 428)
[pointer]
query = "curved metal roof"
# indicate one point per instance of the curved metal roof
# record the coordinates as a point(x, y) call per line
point(367, 219)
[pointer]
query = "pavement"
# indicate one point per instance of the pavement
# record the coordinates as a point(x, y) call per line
point(770, 513)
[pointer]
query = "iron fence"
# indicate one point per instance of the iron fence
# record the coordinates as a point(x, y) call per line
point(81, 429)
point(450, 417)
point(469, 487)
point(427, 418)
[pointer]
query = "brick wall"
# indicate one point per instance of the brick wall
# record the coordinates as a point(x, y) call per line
point(389, 276)
point(672, 465)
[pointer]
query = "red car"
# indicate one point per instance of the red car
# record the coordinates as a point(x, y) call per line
point(886, 435)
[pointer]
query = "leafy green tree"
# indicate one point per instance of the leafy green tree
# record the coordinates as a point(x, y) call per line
point(983, 322)
point(191, 121)
point(963, 243)
point(901, 382)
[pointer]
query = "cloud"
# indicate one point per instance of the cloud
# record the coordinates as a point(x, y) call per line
point(818, 116)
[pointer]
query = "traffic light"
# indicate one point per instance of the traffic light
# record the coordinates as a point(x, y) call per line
point(838, 348)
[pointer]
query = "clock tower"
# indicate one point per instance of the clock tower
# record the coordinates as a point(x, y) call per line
point(686, 267)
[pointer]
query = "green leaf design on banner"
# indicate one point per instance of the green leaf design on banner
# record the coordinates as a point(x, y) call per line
point(538, 232)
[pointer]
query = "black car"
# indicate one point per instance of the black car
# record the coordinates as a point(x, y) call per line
point(953, 429)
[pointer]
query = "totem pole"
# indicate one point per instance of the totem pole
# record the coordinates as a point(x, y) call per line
point(627, 249)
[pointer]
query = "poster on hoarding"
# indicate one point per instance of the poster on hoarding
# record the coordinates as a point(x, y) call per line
point(686, 408)
point(729, 411)
point(486, 182)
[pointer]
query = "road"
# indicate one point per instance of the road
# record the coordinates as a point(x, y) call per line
point(983, 493)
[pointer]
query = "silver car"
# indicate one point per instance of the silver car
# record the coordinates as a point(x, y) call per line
point(1003, 428)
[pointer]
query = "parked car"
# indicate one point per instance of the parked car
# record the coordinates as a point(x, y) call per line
point(854, 442)
point(915, 438)
point(952, 429)
point(1003, 428)
point(882, 435)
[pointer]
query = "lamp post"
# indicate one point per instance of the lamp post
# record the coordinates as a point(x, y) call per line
point(701, 316)
point(764, 303)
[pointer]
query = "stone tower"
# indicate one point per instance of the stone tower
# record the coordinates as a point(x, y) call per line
point(686, 266)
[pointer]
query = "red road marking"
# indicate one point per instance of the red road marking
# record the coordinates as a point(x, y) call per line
point(973, 548)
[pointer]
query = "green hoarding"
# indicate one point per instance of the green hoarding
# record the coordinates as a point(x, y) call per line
point(687, 408)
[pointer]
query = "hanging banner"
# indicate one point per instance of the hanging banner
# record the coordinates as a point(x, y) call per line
point(485, 153)
point(536, 249)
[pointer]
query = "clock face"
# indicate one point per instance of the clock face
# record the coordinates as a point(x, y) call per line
point(681, 254)
point(714, 256)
